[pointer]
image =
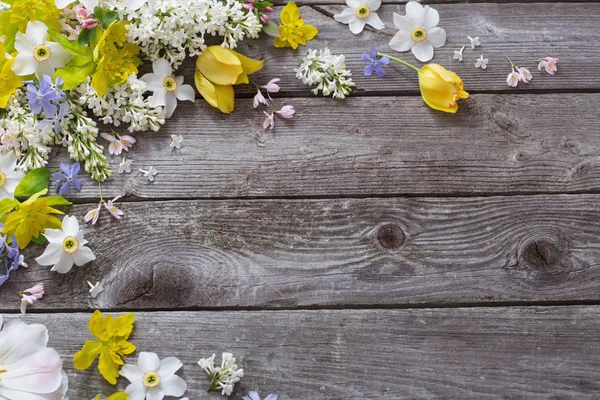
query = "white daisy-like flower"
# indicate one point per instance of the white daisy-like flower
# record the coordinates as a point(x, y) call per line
point(153, 379)
point(360, 13)
point(66, 247)
point(176, 141)
point(418, 31)
point(474, 42)
point(150, 173)
point(96, 289)
point(125, 166)
point(166, 87)
point(88, 4)
point(482, 62)
point(36, 55)
point(10, 176)
point(458, 54)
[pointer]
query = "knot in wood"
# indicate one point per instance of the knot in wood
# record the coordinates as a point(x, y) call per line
point(541, 253)
point(390, 236)
point(543, 260)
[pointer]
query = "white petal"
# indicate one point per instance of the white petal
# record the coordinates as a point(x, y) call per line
point(8, 162)
point(44, 68)
point(375, 21)
point(37, 373)
point(357, 25)
point(185, 93)
point(19, 340)
point(148, 362)
point(173, 386)
point(23, 45)
point(423, 51)
point(55, 237)
point(51, 255)
point(136, 391)
point(415, 13)
point(89, 4)
point(155, 394)
point(36, 32)
point(162, 68)
point(402, 41)
point(402, 23)
point(132, 372)
point(63, 3)
point(431, 19)
point(59, 56)
point(153, 81)
point(437, 37)
point(83, 256)
point(346, 16)
point(64, 264)
point(70, 226)
point(373, 5)
point(159, 98)
point(171, 101)
point(354, 3)
point(168, 367)
point(24, 64)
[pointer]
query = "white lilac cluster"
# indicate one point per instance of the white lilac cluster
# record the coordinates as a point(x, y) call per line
point(175, 29)
point(327, 72)
point(224, 377)
point(124, 104)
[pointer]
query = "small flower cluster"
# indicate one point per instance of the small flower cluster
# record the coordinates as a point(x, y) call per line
point(519, 74)
point(475, 42)
point(224, 377)
point(327, 72)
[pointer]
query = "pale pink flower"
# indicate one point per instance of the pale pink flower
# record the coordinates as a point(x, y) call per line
point(93, 215)
point(269, 121)
point(259, 99)
point(118, 143)
point(513, 79)
point(549, 64)
point(524, 75)
point(248, 7)
point(286, 112)
point(112, 209)
point(31, 295)
point(272, 86)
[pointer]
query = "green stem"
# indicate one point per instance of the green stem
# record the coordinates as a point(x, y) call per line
point(254, 83)
point(398, 61)
point(512, 64)
point(101, 198)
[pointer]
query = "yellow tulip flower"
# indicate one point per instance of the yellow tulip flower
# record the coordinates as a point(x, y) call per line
point(441, 89)
point(293, 31)
point(217, 70)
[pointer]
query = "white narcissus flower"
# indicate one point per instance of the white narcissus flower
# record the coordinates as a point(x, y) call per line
point(66, 247)
point(166, 87)
point(36, 54)
point(359, 14)
point(29, 370)
point(88, 4)
point(153, 379)
point(418, 31)
point(10, 176)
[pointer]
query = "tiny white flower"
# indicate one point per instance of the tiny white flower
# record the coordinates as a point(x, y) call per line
point(482, 62)
point(125, 166)
point(153, 379)
point(167, 88)
point(95, 289)
point(418, 31)
point(360, 13)
point(66, 247)
point(474, 42)
point(150, 173)
point(458, 54)
point(176, 141)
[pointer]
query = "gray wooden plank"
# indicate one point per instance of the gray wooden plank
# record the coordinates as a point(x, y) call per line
point(370, 146)
point(478, 353)
point(523, 31)
point(331, 253)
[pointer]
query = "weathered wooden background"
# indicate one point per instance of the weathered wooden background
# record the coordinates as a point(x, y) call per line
point(370, 248)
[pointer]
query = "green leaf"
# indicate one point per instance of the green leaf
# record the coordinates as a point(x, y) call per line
point(271, 29)
point(39, 240)
point(76, 72)
point(7, 205)
point(71, 46)
point(110, 17)
point(57, 201)
point(86, 36)
point(34, 182)
point(99, 13)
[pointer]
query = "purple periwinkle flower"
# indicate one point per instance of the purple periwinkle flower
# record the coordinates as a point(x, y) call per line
point(67, 174)
point(56, 119)
point(13, 259)
point(376, 63)
point(46, 96)
point(253, 395)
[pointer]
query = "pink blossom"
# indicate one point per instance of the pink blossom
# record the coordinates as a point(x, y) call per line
point(269, 121)
point(513, 79)
point(286, 112)
point(93, 215)
point(269, 9)
point(248, 7)
point(112, 209)
point(524, 75)
point(264, 18)
point(272, 86)
point(259, 99)
point(549, 64)
point(90, 23)
point(29, 296)
point(118, 143)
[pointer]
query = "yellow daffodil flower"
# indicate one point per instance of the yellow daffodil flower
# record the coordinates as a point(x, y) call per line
point(116, 396)
point(217, 70)
point(32, 217)
point(441, 89)
point(293, 31)
point(111, 346)
point(9, 82)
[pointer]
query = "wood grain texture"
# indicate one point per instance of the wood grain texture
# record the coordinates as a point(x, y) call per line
point(495, 144)
point(480, 353)
point(331, 253)
point(523, 31)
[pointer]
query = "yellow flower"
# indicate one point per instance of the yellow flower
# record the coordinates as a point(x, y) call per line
point(116, 60)
point(32, 217)
point(111, 346)
point(217, 70)
point(23, 11)
point(116, 396)
point(9, 82)
point(292, 30)
point(441, 89)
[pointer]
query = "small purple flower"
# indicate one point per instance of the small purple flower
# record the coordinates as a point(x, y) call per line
point(13, 259)
point(253, 395)
point(56, 119)
point(68, 174)
point(376, 63)
point(46, 97)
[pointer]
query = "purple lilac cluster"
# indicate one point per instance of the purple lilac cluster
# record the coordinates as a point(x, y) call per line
point(49, 99)
point(12, 258)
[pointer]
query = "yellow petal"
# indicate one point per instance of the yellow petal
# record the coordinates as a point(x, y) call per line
point(308, 31)
point(226, 97)
point(249, 65)
point(290, 13)
point(206, 89)
point(279, 42)
point(84, 358)
point(108, 369)
point(219, 66)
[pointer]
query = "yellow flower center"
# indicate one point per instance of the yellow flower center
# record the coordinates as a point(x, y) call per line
point(41, 53)
point(2, 179)
point(70, 244)
point(363, 12)
point(418, 35)
point(170, 84)
point(151, 379)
